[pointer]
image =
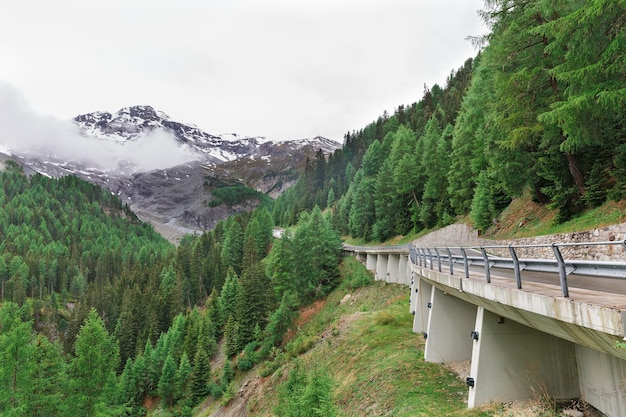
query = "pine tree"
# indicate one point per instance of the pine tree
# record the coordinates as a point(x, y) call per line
point(183, 377)
point(317, 248)
point(232, 247)
point(48, 382)
point(361, 217)
point(231, 335)
point(16, 365)
point(253, 304)
point(92, 370)
point(200, 376)
point(229, 295)
point(167, 382)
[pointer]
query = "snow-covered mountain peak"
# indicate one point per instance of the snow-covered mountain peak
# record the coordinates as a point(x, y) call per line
point(134, 122)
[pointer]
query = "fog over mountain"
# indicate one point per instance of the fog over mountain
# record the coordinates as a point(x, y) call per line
point(165, 170)
point(24, 132)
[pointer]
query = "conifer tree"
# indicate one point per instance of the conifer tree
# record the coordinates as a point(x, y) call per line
point(229, 295)
point(232, 247)
point(167, 382)
point(253, 304)
point(48, 382)
point(92, 370)
point(200, 376)
point(183, 377)
point(16, 366)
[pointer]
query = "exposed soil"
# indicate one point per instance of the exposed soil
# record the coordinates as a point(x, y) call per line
point(305, 315)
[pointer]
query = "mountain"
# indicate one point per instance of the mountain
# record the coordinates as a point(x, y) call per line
point(181, 197)
point(131, 123)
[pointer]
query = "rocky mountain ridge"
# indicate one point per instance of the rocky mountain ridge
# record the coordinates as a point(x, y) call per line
point(131, 123)
point(177, 199)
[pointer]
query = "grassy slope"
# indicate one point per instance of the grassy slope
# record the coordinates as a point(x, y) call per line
point(367, 346)
point(525, 218)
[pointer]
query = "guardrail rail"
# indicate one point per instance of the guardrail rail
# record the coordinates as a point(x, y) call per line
point(481, 256)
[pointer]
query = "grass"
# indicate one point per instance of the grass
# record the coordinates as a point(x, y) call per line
point(375, 360)
point(525, 218)
point(366, 345)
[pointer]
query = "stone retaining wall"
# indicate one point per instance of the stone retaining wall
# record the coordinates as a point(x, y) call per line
point(463, 235)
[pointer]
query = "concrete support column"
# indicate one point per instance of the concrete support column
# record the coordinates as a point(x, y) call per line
point(404, 271)
point(382, 262)
point(370, 263)
point(393, 268)
point(413, 288)
point(513, 362)
point(450, 322)
point(602, 380)
point(422, 293)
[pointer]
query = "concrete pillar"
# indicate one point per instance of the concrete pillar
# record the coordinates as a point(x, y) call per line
point(404, 270)
point(602, 380)
point(513, 362)
point(370, 264)
point(382, 262)
point(393, 268)
point(450, 322)
point(413, 288)
point(422, 293)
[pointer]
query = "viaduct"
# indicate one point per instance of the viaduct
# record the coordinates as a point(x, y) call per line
point(530, 327)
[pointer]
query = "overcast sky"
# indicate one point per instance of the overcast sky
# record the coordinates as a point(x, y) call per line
point(283, 69)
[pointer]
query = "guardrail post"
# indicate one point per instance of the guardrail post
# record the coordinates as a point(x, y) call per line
point(562, 272)
point(450, 261)
point(486, 260)
point(422, 257)
point(430, 256)
point(438, 260)
point(518, 276)
point(465, 263)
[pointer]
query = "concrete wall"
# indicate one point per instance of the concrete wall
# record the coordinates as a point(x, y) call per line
point(602, 380)
point(424, 295)
point(393, 268)
point(462, 235)
point(450, 321)
point(382, 262)
point(370, 264)
point(404, 272)
point(511, 361)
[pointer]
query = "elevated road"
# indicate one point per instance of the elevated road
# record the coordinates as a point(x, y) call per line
point(525, 324)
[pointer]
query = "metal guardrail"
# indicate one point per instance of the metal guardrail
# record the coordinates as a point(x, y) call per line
point(480, 256)
point(404, 249)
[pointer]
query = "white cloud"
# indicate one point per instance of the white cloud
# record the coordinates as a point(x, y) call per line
point(22, 131)
point(278, 68)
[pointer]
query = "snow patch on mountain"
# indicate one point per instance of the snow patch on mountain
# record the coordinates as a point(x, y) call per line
point(130, 124)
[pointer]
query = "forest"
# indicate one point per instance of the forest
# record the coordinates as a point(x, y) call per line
point(539, 110)
point(99, 313)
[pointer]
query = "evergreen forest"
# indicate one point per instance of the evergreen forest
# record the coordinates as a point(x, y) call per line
point(99, 314)
point(539, 110)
